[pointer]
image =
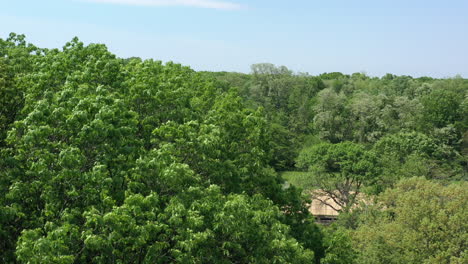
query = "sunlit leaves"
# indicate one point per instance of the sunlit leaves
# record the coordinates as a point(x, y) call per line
point(419, 222)
point(113, 161)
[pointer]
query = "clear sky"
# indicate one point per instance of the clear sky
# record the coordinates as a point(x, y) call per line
point(404, 37)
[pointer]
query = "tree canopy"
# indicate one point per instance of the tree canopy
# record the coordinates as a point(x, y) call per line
point(123, 160)
point(419, 222)
point(107, 160)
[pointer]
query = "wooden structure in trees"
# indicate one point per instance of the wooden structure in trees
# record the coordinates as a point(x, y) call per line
point(321, 209)
point(325, 209)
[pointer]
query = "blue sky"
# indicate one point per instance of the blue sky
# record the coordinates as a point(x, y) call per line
point(413, 37)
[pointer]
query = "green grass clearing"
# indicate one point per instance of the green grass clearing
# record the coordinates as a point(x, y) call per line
point(299, 179)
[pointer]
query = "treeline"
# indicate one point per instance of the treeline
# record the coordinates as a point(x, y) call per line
point(111, 160)
point(334, 108)
point(390, 153)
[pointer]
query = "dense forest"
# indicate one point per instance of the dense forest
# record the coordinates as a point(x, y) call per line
point(123, 160)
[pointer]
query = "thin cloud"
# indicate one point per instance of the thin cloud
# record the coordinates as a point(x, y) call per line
point(213, 4)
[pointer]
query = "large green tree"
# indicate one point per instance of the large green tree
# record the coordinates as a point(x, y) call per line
point(340, 171)
point(128, 161)
point(419, 221)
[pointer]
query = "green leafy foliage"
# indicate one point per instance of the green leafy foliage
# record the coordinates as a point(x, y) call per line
point(339, 170)
point(354, 133)
point(339, 247)
point(105, 160)
point(419, 222)
point(110, 160)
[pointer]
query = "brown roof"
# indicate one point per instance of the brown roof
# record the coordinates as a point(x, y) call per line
point(318, 207)
point(323, 205)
